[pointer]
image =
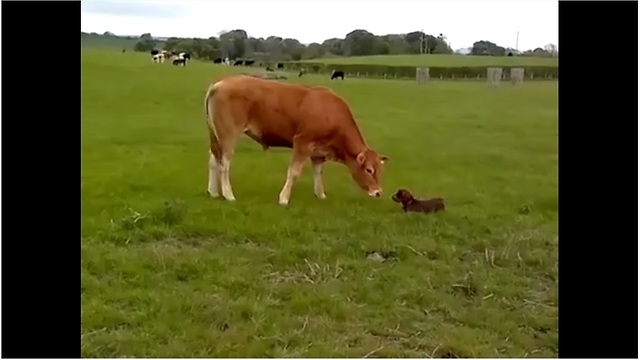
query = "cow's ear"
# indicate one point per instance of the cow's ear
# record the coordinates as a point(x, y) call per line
point(383, 159)
point(361, 158)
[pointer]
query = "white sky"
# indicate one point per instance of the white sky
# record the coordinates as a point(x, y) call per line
point(462, 21)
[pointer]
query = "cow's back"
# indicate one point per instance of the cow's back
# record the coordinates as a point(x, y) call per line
point(272, 113)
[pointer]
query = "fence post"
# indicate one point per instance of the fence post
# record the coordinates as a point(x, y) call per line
point(494, 76)
point(517, 76)
point(422, 76)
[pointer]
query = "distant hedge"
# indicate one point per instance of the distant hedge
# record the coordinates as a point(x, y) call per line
point(389, 71)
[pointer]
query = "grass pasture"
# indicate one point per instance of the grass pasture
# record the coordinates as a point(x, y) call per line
point(439, 60)
point(100, 42)
point(169, 272)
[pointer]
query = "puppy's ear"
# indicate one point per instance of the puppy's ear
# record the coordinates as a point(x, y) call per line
point(383, 159)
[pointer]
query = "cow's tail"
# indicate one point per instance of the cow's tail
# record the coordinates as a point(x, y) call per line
point(210, 113)
point(207, 95)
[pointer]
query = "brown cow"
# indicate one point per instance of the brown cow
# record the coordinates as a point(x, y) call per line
point(313, 121)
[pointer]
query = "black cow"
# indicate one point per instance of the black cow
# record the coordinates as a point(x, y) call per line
point(269, 68)
point(154, 52)
point(238, 62)
point(177, 62)
point(280, 66)
point(124, 51)
point(217, 61)
point(337, 74)
point(249, 62)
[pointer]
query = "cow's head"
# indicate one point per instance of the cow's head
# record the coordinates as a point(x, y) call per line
point(365, 170)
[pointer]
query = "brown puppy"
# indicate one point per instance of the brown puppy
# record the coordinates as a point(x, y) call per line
point(409, 203)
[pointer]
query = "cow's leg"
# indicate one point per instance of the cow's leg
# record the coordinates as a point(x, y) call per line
point(318, 186)
point(225, 183)
point(214, 165)
point(227, 145)
point(222, 139)
point(213, 188)
point(300, 154)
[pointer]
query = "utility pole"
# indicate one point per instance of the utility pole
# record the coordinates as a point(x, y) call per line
point(517, 38)
point(422, 42)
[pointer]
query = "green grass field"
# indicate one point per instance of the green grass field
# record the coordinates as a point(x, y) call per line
point(103, 43)
point(106, 42)
point(169, 272)
point(439, 60)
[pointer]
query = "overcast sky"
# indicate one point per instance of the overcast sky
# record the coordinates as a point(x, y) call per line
point(462, 21)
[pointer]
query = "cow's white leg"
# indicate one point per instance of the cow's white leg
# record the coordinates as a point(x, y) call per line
point(318, 186)
point(293, 173)
point(213, 177)
point(227, 193)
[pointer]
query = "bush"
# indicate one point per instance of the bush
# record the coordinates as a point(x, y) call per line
point(389, 71)
point(144, 45)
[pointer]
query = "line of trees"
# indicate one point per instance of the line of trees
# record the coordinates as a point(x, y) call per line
point(488, 48)
point(238, 44)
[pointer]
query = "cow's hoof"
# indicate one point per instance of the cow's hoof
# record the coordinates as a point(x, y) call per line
point(321, 196)
point(230, 198)
point(213, 195)
point(283, 202)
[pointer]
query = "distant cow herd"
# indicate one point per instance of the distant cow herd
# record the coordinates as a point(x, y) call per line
point(181, 58)
point(177, 58)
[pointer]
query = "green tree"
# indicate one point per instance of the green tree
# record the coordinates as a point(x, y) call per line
point(274, 47)
point(333, 46)
point(484, 47)
point(442, 47)
point(253, 46)
point(146, 43)
point(394, 43)
point(414, 42)
point(360, 43)
point(293, 49)
point(172, 43)
point(313, 51)
point(233, 43)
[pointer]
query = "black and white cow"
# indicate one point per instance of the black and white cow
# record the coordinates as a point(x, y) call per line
point(177, 62)
point(159, 58)
point(337, 74)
